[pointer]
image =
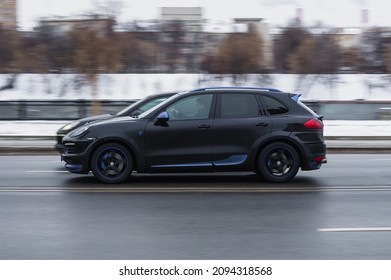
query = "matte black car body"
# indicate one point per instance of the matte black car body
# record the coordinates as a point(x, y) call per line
point(133, 109)
point(245, 129)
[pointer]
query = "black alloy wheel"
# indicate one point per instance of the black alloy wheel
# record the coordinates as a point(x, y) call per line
point(279, 162)
point(112, 163)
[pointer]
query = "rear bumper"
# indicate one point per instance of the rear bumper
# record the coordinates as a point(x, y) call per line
point(314, 156)
point(313, 148)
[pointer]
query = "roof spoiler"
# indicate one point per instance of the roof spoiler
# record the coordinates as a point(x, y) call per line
point(295, 96)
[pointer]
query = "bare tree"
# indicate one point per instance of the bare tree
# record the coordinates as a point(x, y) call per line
point(291, 38)
point(350, 59)
point(388, 60)
point(373, 46)
point(171, 43)
point(136, 54)
point(92, 55)
point(239, 53)
point(318, 54)
point(8, 50)
point(9, 56)
point(302, 61)
point(57, 46)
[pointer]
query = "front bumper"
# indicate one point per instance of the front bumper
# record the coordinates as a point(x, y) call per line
point(60, 146)
point(76, 164)
point(76, 156)
point(74, 168)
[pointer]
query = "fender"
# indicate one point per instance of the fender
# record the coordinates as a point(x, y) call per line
point(135, 146)
point(281, 136)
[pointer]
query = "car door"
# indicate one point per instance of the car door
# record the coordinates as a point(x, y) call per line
point(238, 128)
point(183, 142)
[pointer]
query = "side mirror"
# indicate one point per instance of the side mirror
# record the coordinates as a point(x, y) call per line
point(162, 118)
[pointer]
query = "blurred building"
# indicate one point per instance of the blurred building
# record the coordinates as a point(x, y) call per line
point(101, 25)
point(375, 49)
point(8, 14)
point(215, 32)
point(181, 38)
point(262, 29)
point(347, 38)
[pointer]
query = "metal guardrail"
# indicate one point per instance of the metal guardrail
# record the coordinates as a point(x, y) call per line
point(76, 109)
point(57, 110)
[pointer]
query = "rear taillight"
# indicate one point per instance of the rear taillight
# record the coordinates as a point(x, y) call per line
point(320, 159)
point(313, 124)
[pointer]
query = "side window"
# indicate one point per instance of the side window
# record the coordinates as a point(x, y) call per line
point(274, 107)
point(241, 105)
point(191, 108)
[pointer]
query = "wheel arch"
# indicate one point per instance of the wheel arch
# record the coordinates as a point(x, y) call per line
point(119, 141)
point(278, 139)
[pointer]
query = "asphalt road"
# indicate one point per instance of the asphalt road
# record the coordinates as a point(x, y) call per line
point(341, 211)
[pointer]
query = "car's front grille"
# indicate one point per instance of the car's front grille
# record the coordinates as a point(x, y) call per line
point(69, 148)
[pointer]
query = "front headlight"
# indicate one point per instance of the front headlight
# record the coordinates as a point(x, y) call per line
point(71, 125)
point(79, 131)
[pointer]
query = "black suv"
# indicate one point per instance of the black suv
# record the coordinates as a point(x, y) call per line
point(205, 130)
point(133, 109)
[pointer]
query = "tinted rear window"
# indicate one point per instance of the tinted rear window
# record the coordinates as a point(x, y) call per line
point(274, 107)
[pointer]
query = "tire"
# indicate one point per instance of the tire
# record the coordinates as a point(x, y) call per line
point(278, 162)
point(111, 163)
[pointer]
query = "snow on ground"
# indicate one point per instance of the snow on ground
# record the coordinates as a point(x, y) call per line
point(357, 128)
point(134, 86)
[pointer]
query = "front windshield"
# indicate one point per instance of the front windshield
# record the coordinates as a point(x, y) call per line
point(133, 105)
point(150, 104)
point(159, 106)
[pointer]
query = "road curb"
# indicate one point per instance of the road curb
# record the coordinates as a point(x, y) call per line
point(27, 150)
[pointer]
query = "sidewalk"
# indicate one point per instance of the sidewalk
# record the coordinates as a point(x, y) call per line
point(349, 136)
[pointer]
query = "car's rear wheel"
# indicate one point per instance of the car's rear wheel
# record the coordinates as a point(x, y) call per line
point(278, 162)
point(112, 163)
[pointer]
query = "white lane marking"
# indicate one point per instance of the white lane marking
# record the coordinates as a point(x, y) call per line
point(363, 229)
point(47, 171)
point(201, 189)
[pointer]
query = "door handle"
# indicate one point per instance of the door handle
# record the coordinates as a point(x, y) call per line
point(261, 124)
point(204, 126)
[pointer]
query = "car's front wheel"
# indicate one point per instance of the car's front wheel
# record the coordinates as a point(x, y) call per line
point(111, 163)
point(278, 162)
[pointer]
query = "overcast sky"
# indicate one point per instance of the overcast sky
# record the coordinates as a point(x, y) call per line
point(344, 13)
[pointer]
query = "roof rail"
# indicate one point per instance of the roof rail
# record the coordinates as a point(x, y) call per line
point(236, 88)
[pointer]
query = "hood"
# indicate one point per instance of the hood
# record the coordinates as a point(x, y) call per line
point(113, 120)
